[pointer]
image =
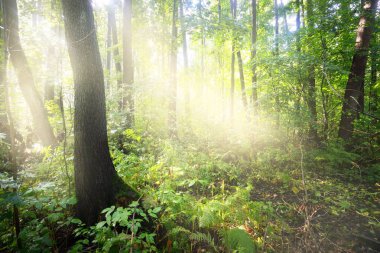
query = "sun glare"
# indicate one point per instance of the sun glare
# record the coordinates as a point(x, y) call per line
point(101, 3)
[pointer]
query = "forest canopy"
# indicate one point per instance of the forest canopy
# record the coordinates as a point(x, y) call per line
point(189, 126)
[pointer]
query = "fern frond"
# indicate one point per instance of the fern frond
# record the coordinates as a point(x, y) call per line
point(202, 237)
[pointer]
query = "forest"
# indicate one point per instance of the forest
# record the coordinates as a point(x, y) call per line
point(189, 126)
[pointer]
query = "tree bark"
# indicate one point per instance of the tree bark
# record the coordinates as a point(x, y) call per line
point(25, 76)
point(172, 119)
point(96, 181)
point(357, 72)
point(128, 75)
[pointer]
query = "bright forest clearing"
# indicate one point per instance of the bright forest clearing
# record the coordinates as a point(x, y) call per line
point(189, 126)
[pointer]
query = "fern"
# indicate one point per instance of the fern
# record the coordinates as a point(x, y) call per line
point(179, 229)
point(202, 237)
point(238, 240)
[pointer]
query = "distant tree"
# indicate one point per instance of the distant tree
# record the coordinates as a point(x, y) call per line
point(311, 96)
point(128, 73)
point(116, 53)
point(25, 76)
point(96, 180)
point(253, 55)
point(3, 63)
point(49, 82)
point(172, 117)
point(355, 84)
point(110, 12)
point(233, 48)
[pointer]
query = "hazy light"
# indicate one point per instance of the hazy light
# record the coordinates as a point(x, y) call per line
point(101, 3)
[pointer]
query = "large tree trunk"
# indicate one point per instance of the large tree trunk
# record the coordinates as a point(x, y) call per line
point(128, 75)
point(96, 181)
point(354, 88)
point(253, 57)
point(172, 119)
point(25, 77)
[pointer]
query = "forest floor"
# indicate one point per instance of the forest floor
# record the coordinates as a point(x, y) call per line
point(287, 199)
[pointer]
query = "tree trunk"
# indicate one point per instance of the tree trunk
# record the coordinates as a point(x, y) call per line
point(242, 82)
point(253, 57)
point(3, 59)
point(96, 181)
point(185, 56)
point(311, 97)
point(373, 99)
point(172, 119)
point(25, 77)
point(49, 84)
point(128, 75)
point(232, 88)
point(357, 72)
point(108, 47)
point(116, 53)
point(276, 53)
point(286, 26)
point(276, 29)
point(184, 37)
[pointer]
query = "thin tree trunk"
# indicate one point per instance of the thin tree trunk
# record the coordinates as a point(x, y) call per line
point(311, 98)
point(286, 27)
point(253, 57)
point(172, 119)
point(232, 88)
point(128, 75)
point(25, 77)
point(116, 53)
point(324, 95)
point(373, 99)
point(49, 83)
point(184, 37)
point(12, 158)
point(3, 55)
point(110, 11)
point(96, 180)
point(276, 29)
point(185, 56)
point(357, 72)
point(242, 83)
point(276, 53)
